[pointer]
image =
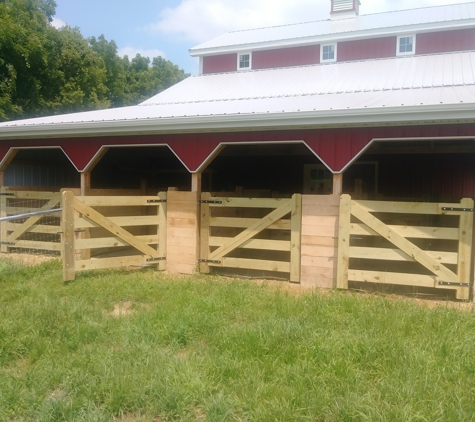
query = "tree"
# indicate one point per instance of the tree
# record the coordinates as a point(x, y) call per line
point(44, 70)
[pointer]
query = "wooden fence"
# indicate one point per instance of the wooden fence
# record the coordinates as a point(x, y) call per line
point(38, 233)
point(114, 231)
point(406, 243)
point(262, 234)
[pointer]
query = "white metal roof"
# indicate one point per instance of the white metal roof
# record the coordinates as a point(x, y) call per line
point(436, 87)
point(388, 23)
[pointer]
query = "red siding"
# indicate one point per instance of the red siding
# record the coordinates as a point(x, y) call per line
point(335, 147)
point(283, 57)
point(367, 49)
point(446, 41)
point(219, 64)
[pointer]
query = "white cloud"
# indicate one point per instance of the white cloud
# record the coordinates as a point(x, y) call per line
point(58, 23)
point(132, 52)
point(200, 20)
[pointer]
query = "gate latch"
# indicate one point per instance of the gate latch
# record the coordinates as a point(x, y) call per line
point(209, 261)
point(209, 202)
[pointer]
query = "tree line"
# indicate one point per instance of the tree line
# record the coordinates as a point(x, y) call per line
point(46, 71)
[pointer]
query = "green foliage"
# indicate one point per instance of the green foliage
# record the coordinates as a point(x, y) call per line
point(46, 71)
point(206, 348)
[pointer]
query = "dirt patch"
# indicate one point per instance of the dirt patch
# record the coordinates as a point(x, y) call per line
point(122, 309)
point(29, 260)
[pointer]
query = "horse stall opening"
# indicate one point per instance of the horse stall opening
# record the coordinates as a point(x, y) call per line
point(412, 175)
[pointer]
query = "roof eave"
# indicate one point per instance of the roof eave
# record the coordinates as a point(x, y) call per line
point(408, 115)
point(342, 36)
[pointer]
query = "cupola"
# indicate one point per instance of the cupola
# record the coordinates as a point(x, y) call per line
point(342, 9)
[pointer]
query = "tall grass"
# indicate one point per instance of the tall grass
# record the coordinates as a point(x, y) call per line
point(214, 349)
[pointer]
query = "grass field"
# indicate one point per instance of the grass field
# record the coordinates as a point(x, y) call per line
point(144, 346)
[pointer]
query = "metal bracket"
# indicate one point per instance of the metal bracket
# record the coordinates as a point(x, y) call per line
point(8, 243)
point(161, 258)
point(202, 201)
point(209, 261)
point(457, 209)
point(450, 283)
point(7, 194)
point(155, 201)
point(78, 231)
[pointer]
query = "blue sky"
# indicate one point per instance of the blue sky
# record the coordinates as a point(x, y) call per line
point(170, 27)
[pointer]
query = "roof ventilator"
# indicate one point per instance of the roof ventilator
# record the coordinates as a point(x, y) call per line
point(342, 9)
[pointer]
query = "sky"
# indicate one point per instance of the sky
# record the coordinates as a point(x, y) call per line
point(169, 28)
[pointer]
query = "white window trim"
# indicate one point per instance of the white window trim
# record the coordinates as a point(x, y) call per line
point(409, 53)
point(321, 53)
point(250, 60)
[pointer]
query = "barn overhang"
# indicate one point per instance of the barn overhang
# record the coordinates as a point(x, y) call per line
point(337, 148)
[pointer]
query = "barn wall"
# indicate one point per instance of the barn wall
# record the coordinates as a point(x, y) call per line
point(367, 49)
point(284, 57)
point(444, 42)
point(220, 64)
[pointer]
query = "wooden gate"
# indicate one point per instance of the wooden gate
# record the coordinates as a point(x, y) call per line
point(30, 222)
point(406, 243)
point(260, 234)
point(127, 231)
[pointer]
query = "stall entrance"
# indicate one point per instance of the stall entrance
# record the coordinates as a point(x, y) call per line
point(251, 236)
point(406, 243)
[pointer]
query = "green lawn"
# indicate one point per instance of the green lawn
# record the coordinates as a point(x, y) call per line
point(214, 349)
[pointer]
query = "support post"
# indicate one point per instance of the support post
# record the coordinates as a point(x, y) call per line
point(196, 183)
point(85, 182)
point(2, 179)
point(67, 239)
point(337, 184)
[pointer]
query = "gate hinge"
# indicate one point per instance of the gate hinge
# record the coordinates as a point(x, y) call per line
point(160, 258)
point(450, 283)
point(156, 201)
point(209, 261)
point(457, 209)
point(203, 201)
point(8, 243)
point(7, 194)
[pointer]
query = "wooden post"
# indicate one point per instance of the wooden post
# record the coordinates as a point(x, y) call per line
point(337, 183)
point(3, 213)
point(465, 248)
point(343, 242)
point(2, 179)
point(204, 232)
point(85, 182)
point(295, 238)
point(196, 182)
point(67, 239)
point(162, 230)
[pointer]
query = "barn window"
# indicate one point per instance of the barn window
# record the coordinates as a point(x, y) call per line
point(244, 61)
point(328, 53)
point(406, 45)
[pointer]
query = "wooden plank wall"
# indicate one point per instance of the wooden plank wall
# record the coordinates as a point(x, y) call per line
point(319, 240)
point(182, 232)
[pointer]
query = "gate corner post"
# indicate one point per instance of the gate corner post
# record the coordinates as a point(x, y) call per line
point(67, 238)
point(295, 238)
point(343, 242)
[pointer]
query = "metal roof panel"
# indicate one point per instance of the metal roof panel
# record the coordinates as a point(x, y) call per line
point(446, 15)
